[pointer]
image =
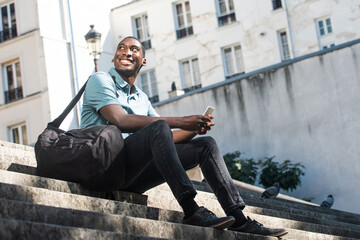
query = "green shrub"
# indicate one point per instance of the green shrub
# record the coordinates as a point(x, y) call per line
point(288, 174)
point(244, 170)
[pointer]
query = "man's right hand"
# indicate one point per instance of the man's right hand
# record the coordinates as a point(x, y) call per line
point(198, 123)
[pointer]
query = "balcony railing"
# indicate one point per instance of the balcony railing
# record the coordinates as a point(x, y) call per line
point(146, 44)
point(154, 99)
point(188, 89)
point(226, 19)
point(8, 34)
point(13, 95)
point(183, 32)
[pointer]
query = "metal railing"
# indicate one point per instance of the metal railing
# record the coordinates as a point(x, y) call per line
point(183, 32)
point(8, 34)
point(13, 95)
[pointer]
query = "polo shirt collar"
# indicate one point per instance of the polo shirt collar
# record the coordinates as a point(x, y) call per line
point(121, 82)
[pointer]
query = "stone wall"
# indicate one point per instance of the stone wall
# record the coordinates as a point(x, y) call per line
point(305, 110)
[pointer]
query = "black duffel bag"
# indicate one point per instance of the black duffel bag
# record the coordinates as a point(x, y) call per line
point(79, 155)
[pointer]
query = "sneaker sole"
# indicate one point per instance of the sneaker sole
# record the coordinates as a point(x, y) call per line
point(279, 234)
point(224, 224)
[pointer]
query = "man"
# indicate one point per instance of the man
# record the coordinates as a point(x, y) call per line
point(153, 153)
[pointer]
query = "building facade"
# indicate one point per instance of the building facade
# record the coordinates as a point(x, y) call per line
point(196, 43)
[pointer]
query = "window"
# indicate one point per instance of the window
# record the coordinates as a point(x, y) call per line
point(183, 20)
point(276, 4)
point(226, 14)
point(324, 26)
point(13, 82)
point(233, 60)
point(7, 22)
point(148, 85)
point(284, 46)
point(141, 28)
point(190, 74)
point(18, 134)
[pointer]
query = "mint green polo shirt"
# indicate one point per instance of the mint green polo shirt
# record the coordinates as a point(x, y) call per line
point(101, 90)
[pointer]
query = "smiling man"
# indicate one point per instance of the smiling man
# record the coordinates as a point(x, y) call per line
point(154, 152)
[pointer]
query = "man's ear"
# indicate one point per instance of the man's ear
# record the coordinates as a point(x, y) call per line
point(144, 61)
point(112, 60)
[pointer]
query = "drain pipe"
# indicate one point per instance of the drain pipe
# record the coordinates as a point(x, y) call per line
point(289, 27)
point(74, 66)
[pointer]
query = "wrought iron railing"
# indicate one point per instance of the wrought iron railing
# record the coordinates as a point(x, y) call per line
point(154, 99)
point(226, 19)
point(183, 32)
point(146, 44)
point(13, 95)
point(188, 89)
point(8, 34)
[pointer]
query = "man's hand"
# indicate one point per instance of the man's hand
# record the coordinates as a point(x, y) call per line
point(197, 123)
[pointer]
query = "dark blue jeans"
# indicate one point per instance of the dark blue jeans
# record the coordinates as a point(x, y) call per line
point(152, 158)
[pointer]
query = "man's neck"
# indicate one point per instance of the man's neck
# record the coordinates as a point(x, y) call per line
point(129, 79)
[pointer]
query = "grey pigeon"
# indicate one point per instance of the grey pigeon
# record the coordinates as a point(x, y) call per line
point(328, 201)
point(271, 192)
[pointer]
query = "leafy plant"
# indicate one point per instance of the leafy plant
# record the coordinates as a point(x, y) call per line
point(288, 174)
point(244, 170)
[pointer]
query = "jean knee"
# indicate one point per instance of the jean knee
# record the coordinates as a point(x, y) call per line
point(161, 127)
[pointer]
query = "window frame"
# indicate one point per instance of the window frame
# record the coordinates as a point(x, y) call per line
point(12, 26)
point(195, 83)
point(229, 15)
point(146, 41)
point(19, 127)
point(282, 45)
point(234, 60)
point(153, 93)
point(187, 30)
point(18, 91)
point(325, 27)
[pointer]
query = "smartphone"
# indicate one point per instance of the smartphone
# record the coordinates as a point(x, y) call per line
point(209, 110)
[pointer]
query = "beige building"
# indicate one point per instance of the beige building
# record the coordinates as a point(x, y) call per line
point(197, 43)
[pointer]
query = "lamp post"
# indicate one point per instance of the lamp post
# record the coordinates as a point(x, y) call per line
point(93, 39)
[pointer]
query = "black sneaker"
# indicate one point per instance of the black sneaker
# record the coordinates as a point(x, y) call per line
point(252, 226)
point(205, 218)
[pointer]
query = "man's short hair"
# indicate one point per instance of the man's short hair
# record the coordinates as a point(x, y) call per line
point(142, 45)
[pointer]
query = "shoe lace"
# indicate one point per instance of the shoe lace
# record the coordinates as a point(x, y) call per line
point(207, 213)
point(255, 223)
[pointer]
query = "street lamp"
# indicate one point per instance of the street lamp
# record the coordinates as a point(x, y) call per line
point(93, 39)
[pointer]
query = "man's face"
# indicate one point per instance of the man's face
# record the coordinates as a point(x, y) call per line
point(128, 57)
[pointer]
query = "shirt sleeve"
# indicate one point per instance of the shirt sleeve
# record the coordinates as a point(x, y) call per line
point(100, 91)
point(152, 112)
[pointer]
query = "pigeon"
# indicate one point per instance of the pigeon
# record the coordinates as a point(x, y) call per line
point(271, 192)
point(328, 201)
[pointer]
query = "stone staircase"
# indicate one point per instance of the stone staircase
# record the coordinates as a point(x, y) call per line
point(33, 207)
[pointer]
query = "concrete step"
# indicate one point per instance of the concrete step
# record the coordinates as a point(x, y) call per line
point(20, 158)
point(151, 198)
point(297, 208)
point(29, 195)
point(304, 220)
point(271, 218)
point(10, 209)
point(157, 199)
point(11, 229)
point(281, 204)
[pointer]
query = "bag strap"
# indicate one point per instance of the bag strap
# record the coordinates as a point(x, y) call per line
point(57, 122)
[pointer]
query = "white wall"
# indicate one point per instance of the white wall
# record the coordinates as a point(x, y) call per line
point(304, 111)
point(255, 30)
